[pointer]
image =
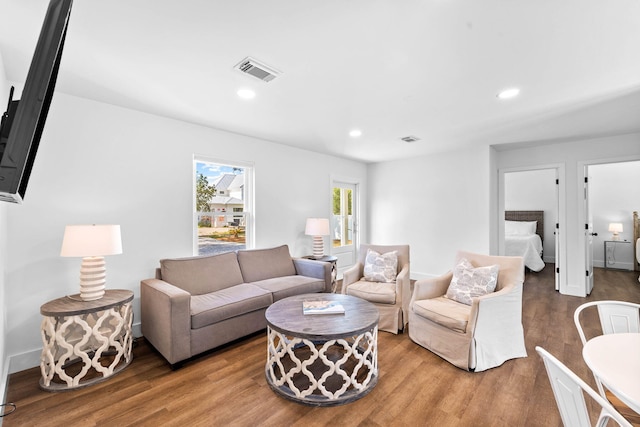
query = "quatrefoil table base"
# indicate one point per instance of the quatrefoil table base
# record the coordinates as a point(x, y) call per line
point(323, 359)
point(85, 342)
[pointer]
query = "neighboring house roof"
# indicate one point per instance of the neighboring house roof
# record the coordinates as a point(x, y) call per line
point(224, 182)
point(238, 182)
point(225, 200)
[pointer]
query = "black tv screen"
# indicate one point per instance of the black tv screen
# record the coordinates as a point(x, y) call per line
point(23, 122)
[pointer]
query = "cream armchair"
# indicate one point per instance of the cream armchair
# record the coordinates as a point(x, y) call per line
point(473, 337)
point(391, 298)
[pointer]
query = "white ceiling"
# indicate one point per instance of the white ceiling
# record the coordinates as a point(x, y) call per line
point(392, 68)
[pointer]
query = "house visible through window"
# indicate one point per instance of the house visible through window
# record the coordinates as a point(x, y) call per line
point(222, 208)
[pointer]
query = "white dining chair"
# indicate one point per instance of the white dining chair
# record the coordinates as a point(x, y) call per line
point(569, 389)
point(615, 317)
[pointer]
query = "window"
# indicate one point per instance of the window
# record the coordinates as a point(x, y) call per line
point(223, 204)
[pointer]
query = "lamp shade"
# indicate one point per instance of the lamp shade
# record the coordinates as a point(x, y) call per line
point(615, 227)
point(317, 227)
point(91, 240)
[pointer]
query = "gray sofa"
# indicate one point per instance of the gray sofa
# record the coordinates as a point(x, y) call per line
point(199, 303)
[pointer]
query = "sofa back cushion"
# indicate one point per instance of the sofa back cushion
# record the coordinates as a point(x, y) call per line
point(202, 274)
point(262, 264)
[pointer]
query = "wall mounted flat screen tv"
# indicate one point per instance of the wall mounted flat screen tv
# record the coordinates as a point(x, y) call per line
point(23, 122)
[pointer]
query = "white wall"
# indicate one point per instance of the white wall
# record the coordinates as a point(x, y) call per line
point(98, 163)
point(438, 204)
point(613, 196)
point(535, 190)
point(574, 156)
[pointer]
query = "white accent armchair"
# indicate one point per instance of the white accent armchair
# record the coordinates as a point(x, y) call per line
point(391, 298)
point(472, 337)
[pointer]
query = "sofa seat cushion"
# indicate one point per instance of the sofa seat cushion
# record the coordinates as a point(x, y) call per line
point(445, 312)
point(202, 274)
point(214, 307)
point(378, 292)
point(261, 264)
point(286, 286)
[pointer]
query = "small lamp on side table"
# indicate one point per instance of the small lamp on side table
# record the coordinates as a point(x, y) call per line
point(318, 228)
point(615, 228)
point(92, 243)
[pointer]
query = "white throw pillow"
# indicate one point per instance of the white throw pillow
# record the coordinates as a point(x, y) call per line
point(469, 282)
point(381, 268)
point(520, 228)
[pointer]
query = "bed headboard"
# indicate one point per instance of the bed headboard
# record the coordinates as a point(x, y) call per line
point(528, 216)
point(636, 236)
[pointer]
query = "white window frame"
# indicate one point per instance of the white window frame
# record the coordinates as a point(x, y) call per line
point(249, 197)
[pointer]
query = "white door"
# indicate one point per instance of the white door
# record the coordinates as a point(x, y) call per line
point(344, 224)
point(556, 233)
point(588, 236)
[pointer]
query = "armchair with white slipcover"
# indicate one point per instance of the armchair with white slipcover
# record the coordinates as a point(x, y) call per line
point(382, 276)
point(484, 330)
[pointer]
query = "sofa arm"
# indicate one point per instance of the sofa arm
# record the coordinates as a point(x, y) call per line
point(314, 268)
point(352, 275)
point(166, 319)
point(431, 287)
point(496, 324)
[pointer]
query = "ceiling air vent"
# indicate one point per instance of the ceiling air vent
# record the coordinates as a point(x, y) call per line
point(410, 138)
point(257, 69)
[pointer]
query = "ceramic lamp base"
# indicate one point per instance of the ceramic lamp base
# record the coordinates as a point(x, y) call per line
point(318, 247)
point(93, 274)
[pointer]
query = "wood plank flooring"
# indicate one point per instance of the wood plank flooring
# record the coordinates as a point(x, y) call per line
point(227, 387)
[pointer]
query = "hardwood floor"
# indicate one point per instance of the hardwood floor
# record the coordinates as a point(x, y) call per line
point(227, 387)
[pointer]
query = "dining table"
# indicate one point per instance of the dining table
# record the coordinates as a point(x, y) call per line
point(615, 360)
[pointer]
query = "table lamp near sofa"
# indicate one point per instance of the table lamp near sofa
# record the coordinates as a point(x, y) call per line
point(318, 228)
point(92, 243)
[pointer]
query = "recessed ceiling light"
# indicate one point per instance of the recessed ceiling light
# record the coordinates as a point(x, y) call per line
point(355, 133)
point(509, 93)
point(246, 94)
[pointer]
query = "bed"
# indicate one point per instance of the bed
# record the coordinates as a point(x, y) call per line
point(524, 233)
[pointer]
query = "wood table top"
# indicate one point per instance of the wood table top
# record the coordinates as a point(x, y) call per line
point(72, 305)
point(286, 316)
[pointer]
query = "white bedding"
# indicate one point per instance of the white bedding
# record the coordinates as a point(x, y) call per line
point(527, 246)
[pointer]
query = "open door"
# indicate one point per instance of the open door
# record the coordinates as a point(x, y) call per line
point(556, 233)
point(588, 227)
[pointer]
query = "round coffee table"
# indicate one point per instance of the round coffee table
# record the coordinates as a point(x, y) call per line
point(322, 359)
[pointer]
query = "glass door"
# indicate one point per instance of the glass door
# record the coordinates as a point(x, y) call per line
point(344, 224)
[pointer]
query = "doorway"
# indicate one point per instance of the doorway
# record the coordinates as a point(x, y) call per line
point(344, 223)
point(535, 190)
point(610, 198)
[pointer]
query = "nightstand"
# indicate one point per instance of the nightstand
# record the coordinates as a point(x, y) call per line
point(85, 342)
point(616, 253)
point(334, 268)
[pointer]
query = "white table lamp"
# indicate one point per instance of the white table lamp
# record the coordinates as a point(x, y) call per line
point(92, 243)
point(317, 227)
point(615, 228)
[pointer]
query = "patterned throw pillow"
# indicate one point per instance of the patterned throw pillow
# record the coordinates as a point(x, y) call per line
point(469, 281)
point(381, 268)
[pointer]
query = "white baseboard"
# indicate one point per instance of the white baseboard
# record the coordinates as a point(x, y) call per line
point(31, 359)
point(619, 265)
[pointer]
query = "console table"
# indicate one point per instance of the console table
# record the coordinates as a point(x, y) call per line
point(85, 342)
